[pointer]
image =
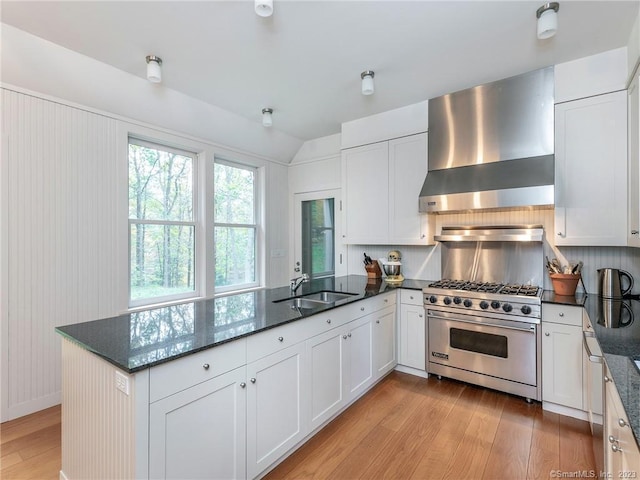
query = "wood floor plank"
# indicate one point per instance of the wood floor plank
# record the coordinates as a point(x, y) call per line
point(29, 424)
point(576, 453)
point(545, 445)
point(474, 448)
point(509, 457)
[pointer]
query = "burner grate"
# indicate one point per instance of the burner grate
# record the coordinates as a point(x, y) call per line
point(486, 287)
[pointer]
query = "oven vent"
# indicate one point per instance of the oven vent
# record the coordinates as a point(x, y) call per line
point(504, 233)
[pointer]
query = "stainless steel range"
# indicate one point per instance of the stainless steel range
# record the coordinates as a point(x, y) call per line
point(485, 328)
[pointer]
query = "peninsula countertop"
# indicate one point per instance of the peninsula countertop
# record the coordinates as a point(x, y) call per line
point(139, 340)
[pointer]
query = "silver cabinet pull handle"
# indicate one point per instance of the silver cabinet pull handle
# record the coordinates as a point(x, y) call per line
point(616, 448)
point(281, 339)
point(559, 234)
point(606, 379)
point(252, 380)
point(419, 315)
point(205, 366)
point(362, 309)
point(377, 321)
point(344, 336)
point(561, 314)
point(242, 385)
point(622, 423)
point(328, 320)
point(386, 300)
point(612, 439)
point(349, 335)
point(546, 334)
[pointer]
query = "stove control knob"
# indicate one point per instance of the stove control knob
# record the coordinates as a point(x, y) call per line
point(526, 309)
point(467, 303)
point(457, 300)
point(447, 301)
point(484, 305)
point(495, 304)
point(433, 299)
point(507, 307)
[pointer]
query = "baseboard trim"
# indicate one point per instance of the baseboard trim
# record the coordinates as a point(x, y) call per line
point(566, 411)
point(412, 371)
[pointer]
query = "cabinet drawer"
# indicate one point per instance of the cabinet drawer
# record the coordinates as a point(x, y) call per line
point(562, 314)
point(271, 341)
point(411, 297)
point(177, 375)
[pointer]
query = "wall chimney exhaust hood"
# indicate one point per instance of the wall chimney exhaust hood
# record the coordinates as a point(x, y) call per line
point(491, 146)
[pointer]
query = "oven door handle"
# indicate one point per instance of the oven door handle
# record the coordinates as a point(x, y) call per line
point(592, 358)
point(528, 329)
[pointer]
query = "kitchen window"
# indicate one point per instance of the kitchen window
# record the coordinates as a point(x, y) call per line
point(235, 226)
point(162, 227)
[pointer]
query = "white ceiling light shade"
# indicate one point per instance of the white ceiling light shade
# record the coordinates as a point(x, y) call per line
point(264, 8)
point(267, 120)
point(547, 20)
point(367, 82)
point(154, 70)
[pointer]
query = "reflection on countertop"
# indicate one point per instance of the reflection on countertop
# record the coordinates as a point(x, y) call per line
point(139, 340)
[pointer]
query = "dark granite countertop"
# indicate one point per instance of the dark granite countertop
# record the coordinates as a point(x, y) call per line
point(139, 340)
point(619, 341)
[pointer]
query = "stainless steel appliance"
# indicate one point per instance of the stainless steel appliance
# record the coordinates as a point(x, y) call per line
point(610, 282)
point(492, 146)
point(485, 328)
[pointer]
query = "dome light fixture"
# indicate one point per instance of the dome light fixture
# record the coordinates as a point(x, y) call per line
point(367, 82)
point(264, 8)
point(154, 70)
point(267, 120)
point(547, 16)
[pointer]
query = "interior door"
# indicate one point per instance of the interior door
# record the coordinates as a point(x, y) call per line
point(318, 248)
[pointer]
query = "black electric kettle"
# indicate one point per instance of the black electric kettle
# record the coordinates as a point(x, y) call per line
point(610, 281)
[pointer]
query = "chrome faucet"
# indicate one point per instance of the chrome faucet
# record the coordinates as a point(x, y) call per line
point(296, 282)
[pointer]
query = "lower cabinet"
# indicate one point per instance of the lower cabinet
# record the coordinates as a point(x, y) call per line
point(622, 456)
point(412, 332)
point(200, 432)
point(275, 407)
point(562, 355)
point(238, 423)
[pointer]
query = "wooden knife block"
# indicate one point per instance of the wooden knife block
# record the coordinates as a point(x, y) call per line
point(373, 270)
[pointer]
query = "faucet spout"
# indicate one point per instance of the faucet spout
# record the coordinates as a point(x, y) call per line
point(296, 282)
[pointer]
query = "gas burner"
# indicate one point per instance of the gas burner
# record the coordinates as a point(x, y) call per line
point(527, 290)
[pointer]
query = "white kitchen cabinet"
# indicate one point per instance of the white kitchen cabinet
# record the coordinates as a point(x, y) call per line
point(562, 355)
point(622, 456)
point(275, 406)
point(382, 184)
point(412, 330)
point(199, 432)
point(359, 375)
point(633, 228)
point(384, 341)
point(591, 171)
point(366, 194)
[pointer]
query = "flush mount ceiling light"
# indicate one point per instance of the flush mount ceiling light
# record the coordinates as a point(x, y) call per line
point(367, 82)
point(547, 20)
point(264, 8)
point(267, 121)
point(154, 72)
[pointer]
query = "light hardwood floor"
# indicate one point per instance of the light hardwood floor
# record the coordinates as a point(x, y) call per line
point(405, 428)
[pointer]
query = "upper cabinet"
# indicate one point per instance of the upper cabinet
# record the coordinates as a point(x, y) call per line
point(591, 171)
point(382, 183)
point(633, 228)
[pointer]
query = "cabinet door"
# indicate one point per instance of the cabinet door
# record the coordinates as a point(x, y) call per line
point(384, 341)
point(365, 172)
point(275, 408)
point(360, 356)
point(407, 171)
point(200, 432)
point(562, 364)
point(591, 171)
point(412, 336)
point(325, 355)
point(633, 229)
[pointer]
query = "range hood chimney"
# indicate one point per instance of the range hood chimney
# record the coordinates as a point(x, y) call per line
point(491, 146)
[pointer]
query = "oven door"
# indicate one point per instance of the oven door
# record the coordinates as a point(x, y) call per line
point(498, 348)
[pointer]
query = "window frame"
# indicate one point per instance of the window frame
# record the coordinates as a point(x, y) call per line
point(256, 226)
point(194, 222)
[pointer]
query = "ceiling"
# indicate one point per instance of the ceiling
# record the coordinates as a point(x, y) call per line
point(305, 61)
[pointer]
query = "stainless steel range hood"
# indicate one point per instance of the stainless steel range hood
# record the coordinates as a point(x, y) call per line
point(491, 146)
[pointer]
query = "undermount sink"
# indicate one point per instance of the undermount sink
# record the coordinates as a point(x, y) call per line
point(327, 296)
point(315, 299)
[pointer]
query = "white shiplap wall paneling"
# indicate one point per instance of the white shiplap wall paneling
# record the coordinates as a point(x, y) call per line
point(62, 219)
